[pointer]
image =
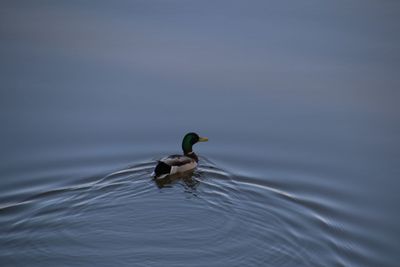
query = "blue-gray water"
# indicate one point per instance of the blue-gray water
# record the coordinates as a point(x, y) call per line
point(300, 101)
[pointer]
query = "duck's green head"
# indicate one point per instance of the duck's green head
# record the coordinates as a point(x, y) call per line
point(189, 140)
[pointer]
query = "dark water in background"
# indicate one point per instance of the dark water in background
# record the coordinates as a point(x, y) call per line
point(299, 101)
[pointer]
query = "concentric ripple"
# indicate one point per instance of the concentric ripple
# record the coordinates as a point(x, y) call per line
point(126, 217)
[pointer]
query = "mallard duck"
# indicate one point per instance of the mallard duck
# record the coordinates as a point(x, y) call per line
point(180, 163)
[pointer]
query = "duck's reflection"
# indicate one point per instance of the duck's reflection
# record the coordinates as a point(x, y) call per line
point(188, 178)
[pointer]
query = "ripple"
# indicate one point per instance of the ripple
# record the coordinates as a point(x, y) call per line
point(225, 218)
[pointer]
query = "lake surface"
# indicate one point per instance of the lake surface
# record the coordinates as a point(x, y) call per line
point(299, 100)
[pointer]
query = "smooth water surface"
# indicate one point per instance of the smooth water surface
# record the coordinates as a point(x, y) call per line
point(300, 101)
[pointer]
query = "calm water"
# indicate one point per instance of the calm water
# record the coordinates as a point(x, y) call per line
point(300, 101)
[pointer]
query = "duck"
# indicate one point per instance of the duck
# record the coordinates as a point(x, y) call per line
point(178, 164)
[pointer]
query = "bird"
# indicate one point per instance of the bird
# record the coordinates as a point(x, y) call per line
point(176, 164)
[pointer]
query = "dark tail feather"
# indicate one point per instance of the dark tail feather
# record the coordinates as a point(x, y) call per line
point(162, 168)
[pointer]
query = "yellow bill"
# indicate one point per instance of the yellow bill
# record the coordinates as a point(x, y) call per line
point(203, 139)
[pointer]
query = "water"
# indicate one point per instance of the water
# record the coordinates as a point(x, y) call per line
point(299, 101)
